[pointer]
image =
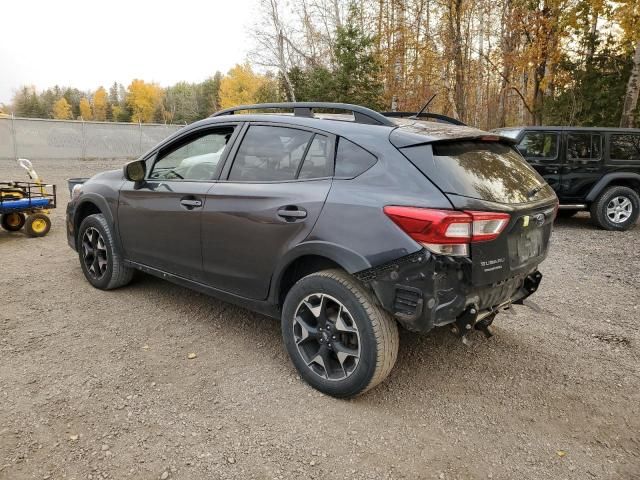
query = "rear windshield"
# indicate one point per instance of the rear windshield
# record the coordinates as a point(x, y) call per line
point(486, 170)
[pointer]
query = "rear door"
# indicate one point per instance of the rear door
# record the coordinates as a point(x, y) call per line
point(583, 166)
point(160, 220)
point(542, 149)
point(271, 196)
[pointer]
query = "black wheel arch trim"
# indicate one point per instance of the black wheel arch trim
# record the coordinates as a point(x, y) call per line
point(347, 259)
point(606, 180)
point(101, 204)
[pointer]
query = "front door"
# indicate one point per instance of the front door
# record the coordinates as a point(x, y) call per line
point(542, 150)
point(160, 220)
point(270, 201)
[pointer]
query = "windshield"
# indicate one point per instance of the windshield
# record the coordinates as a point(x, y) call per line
point(485, 170)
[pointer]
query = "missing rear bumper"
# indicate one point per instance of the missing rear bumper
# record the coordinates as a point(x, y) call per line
point(424, 291)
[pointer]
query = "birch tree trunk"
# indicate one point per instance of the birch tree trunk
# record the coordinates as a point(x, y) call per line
point(633, 88)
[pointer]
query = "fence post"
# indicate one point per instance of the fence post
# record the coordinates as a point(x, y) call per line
point(84, 141)
point(13, 138)
point(140, 144)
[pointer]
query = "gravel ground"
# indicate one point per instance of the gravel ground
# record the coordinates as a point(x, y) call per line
point(99, 384)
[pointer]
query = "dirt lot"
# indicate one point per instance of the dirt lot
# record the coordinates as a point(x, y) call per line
point(99, 385)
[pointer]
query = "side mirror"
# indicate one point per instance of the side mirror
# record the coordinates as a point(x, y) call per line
point(135, 171)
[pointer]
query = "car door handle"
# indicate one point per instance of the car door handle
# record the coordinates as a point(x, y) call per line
point(190, 203)
point(292, 213)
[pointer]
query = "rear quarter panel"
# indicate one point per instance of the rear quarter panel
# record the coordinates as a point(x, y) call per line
point(353, 214)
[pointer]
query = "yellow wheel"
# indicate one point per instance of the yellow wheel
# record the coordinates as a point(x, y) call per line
point(12, 222)
point(38, 225)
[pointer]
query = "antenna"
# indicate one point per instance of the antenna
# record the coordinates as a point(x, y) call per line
point(417, 115)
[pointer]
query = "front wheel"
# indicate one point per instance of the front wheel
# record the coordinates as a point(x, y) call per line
point(617, 208)
point(100, 258)
point(340, 341)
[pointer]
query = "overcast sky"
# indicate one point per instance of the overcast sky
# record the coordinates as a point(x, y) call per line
point(86, 44)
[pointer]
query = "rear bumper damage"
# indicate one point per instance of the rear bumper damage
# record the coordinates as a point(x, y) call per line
point(423, 291)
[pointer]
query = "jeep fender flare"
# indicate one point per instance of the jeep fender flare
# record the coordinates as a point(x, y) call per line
point(606, 180)
point(349, 260)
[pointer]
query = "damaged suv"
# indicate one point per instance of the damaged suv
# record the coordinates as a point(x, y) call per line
point(342, 226)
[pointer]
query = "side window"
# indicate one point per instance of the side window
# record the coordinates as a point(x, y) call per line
point(196, 160)
point(269, 154)
point(317, 162)
point(584, 147)
point(539, 145)
point(352, 160)
point(625, 147)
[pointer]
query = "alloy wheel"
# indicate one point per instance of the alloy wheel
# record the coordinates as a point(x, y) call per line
point(94, 253)
point(619, 209)
point(327, 337)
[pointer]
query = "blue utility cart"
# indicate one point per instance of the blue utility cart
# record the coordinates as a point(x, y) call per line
point(27, 204)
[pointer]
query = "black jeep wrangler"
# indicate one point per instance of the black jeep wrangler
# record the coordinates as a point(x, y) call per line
point(595, 169)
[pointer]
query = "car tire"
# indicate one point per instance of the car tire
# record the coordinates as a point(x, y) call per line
point(37, 225)
point(12, 222)
point(356, 340)
point(101, 260)
point(617, 208)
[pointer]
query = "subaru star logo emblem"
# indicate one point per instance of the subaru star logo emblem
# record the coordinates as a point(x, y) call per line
point(539, 218)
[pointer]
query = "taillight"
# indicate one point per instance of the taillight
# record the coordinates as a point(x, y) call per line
point(447, 232)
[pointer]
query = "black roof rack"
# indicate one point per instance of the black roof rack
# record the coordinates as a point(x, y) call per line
point(435, 116)
point(305, 109)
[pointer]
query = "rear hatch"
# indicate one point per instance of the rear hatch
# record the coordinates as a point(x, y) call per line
point(487, 174)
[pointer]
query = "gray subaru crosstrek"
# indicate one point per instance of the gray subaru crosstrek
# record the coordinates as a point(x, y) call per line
point(342, 226)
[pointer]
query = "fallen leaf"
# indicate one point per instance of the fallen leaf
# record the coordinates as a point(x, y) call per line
point(191, 356)
point(561, 453)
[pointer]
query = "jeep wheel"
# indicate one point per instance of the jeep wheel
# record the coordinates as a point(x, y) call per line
point(12, 222)
point(338, 338)
point(100, 258)
point(616, 208)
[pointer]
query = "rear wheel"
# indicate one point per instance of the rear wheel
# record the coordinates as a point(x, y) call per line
point(100, 258)
point(617, 208)
point(338, 338)
point(12, 222)
point(38, 225)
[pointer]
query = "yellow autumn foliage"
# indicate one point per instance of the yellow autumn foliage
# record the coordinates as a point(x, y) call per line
point(62, 109)
point(85, 109)
point(240, 86)
point(100, 105)
point(144, 99)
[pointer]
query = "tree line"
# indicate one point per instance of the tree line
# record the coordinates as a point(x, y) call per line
point(489, 63)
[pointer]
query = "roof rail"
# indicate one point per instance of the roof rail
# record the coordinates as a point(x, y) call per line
point(436, 116)
point(305, 109)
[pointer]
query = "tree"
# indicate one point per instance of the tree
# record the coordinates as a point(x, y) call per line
point(181, 103)
point(357, 71)
point(209, 99)
point(26, 103)
point(628, 16)
point(240, 86)
point(630, 106)
point(85, 109)
point(143, 99)
point(62, 109)
point(100, 104)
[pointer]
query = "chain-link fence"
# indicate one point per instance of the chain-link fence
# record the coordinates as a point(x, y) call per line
point(40, 139)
